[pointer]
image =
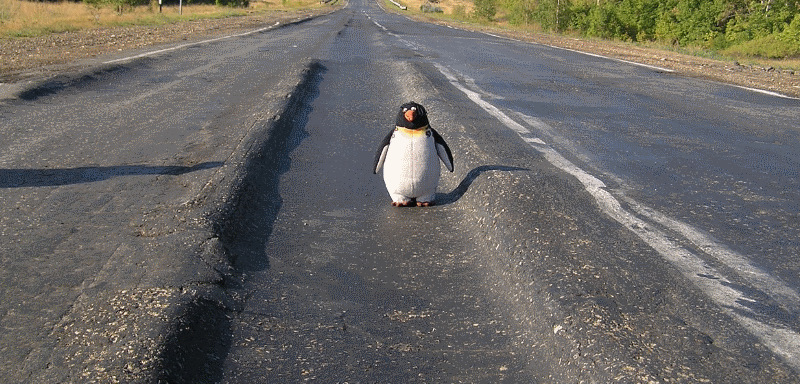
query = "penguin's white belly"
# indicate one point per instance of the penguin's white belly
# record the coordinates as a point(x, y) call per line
point(412, 166)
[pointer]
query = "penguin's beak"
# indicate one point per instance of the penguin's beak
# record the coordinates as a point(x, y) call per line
point(409, 115)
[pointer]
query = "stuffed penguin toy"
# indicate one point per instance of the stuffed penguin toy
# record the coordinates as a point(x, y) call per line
point(409, 156)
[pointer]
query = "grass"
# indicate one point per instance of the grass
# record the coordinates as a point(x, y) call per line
point(20, 18)
point(450, 7)
point(456, 10)
point(768, 46)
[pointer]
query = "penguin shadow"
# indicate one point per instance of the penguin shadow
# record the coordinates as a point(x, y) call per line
point(459, 192)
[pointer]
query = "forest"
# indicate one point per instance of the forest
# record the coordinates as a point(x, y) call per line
point(763, 28)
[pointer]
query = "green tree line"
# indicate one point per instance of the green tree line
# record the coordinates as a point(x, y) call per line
point(768, 28)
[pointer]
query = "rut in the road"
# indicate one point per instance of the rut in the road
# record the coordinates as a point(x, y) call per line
point(196, 347)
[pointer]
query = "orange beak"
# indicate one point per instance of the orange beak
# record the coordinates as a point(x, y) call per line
point(409, 115)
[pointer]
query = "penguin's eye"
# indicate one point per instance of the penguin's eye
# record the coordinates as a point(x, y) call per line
point(413, 108)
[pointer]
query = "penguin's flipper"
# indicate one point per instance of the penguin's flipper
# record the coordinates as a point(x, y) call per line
point(443, 150)
point(380, 156)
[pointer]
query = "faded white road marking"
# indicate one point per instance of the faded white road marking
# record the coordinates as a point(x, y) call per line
point(769, 93)
point(776, 288)
point(714, 284)
point(643, 65)
point(151, 53)
point(648, 66)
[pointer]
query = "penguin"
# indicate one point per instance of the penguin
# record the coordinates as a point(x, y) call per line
point(409, 156)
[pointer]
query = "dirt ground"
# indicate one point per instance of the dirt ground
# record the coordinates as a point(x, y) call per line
point(29, 59)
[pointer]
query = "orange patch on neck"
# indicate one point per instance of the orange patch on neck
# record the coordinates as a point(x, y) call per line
point(413, 132)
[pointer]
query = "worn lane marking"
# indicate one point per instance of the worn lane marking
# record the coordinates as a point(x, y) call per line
point(714, 284)
point(151, 53)
point(766, 92)
point(648, 66)
point(776, 288)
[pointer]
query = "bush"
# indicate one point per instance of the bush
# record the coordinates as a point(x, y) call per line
point(519, 11)
point(430, 8)
point(233, 3)
point(603, 21)
point(792, 32)
point(485, 9)
point(690, 22)
point(769, 46)
point(549, 15)
point(774, 46)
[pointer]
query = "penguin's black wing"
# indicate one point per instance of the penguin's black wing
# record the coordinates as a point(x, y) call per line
point(443, 150)
point(380, 156)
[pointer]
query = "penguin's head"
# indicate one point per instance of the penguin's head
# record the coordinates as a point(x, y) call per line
point(412, 116)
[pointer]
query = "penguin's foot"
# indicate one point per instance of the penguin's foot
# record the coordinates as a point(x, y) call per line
point(402, 203)
point(425, 203)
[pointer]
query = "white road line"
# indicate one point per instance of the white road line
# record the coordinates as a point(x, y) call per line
point(653, 67)
point(714, 284)
point(379, 26)
point(787, 297)
point(151, 53)
point(763, 91)
point(648, 66)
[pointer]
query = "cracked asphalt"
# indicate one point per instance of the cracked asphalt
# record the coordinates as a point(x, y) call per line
point(209, 214)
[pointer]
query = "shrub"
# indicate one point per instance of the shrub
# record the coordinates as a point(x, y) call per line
point(233, 3)
point(485, 9)
point(773, 46)
point(430, 8)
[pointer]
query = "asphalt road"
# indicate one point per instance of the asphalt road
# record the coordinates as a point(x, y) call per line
point(209, 213)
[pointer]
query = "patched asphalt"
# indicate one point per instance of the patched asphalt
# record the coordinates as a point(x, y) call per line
point(221, 223)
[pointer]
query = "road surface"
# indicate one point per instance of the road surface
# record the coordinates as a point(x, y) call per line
point(209, 213)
